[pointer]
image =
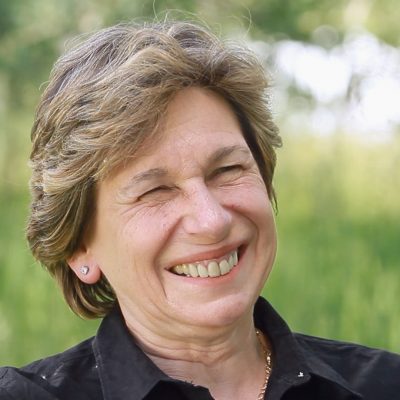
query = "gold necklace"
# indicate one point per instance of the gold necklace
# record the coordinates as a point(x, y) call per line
point(268, 366)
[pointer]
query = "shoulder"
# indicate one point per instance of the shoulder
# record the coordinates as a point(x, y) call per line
point(372, 372)
point(342, 353)
point(50, 378)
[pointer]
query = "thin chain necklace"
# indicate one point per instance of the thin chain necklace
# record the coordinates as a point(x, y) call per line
point(268, 366)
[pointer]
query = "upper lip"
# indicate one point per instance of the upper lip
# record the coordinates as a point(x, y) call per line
point(208, 255)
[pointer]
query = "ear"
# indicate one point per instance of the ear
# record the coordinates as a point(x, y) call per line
point(84, 266)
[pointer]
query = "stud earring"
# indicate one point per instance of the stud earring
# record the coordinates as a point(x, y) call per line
point(84, 270)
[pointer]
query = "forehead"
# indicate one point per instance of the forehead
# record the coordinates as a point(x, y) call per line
point(196, 117)
point(201, 106)
point(199, 128)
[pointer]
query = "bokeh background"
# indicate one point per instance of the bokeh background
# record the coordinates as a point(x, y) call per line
point(335, 71)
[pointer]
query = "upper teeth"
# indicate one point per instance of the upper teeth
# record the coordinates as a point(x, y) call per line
point(208, 269)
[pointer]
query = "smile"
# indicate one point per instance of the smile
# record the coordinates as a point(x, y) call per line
point(208, 269)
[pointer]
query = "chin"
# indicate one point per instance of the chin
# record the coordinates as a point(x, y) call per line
point(218, 313)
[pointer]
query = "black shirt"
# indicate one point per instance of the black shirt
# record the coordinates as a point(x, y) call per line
point(111, 366)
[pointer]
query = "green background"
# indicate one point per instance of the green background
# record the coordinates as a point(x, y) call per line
point(337, 271)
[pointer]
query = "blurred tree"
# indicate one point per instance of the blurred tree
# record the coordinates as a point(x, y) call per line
point(33, 32)
point(7, 17)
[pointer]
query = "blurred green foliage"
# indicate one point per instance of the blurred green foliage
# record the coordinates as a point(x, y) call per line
point(337, 271)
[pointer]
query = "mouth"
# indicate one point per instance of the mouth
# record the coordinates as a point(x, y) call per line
point(209, 268)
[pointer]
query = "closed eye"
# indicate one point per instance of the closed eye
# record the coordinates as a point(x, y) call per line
point(228, 169)
point(155, 190)
point(227, 173)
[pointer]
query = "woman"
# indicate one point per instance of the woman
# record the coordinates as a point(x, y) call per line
point(152, 206)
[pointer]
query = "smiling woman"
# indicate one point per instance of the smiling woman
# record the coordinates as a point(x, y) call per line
point(186, 208)
point(152, 206)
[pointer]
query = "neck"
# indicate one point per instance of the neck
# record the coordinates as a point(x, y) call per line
point(213, 358)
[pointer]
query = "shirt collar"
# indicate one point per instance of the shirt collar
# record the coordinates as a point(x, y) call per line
point(294, 363)
point(127, 372)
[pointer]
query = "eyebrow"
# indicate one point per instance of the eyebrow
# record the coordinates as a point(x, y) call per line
point(224, 152)
point(157, 173)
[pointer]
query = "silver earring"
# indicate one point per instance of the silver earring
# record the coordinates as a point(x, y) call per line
point(84, 270)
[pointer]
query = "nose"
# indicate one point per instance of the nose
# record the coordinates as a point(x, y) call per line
point(205, 218)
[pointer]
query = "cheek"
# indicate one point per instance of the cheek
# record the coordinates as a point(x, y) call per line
point(250, 200)
point(254, 205)
point(145, 234)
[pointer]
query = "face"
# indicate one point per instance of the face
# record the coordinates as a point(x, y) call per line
point(190, 206)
